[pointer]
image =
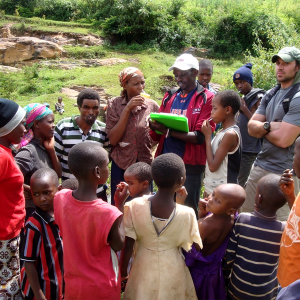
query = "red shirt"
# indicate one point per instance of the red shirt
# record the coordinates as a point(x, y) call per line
point(199, 109)
point(84, 228)
point(12, 202)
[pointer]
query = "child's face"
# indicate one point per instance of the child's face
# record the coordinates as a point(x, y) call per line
point(135, 187)
point(218, 112)
point(59, 100)
point(217, 203)
point(43, 191)
point(242, 86)
point(204, 76)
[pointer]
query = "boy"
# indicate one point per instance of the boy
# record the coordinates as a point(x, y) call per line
point(216, 220)
point(223, 153)
point(42, 276)
point(243, 80)
point(289, 257)
point(92, 230)
point(205, 73)
point(253, 249)
point(59, 106)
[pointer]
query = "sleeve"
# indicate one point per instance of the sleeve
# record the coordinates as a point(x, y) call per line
point(32, 243)
point(128, 223)
point(292, 117)
point(58, 143)
point(230, 252)
point(24, 160)
point(205, 113)
point(112, 116)
point(193, 236)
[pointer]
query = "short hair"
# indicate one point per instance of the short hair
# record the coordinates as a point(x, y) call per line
point(268, 188)
point(230, 98)
point(59, 98)
point(71, 184)
point(45, 172)
point(206, 63)
point(87, 94)
point(84, 157)
point(141, 171)
point(167, 170)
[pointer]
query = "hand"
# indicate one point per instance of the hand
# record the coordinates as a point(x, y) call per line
point(243, 105)
point(49, 144)
point(202, 208)
point(286, 184)
point(135, 102)
point(154, 125)
point(206, 129)
point(181, 195)
point(121, 194)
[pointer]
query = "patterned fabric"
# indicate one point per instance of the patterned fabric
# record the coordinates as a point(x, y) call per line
point(10, 269)
point(68, 133)
point(128, 73)
point(43, 246)
point(34, 111)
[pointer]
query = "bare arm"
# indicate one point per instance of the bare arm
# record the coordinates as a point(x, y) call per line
point(49, 146)
point(249, 113)
point(255, 126)
point(286, 184)
point(116, 235)
point(117, 132)
point(33, 279)
point(126, 255)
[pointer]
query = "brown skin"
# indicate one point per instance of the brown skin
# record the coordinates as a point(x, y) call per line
point(230, 139)
point(186, 80)
point(204, 75)
point(14, 137)
point(222, 203)
point(133, 87)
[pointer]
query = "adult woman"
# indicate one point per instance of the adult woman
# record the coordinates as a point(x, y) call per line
point(126, 125)
point(37, 147)
point(12, 203)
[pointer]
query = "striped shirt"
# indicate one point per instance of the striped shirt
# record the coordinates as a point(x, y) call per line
point(68, 133)
point(43, 246)
point(252, 257)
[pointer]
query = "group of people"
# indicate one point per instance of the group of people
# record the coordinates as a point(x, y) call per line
point(167, 244)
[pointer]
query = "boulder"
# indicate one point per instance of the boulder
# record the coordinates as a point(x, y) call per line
point(26, 48)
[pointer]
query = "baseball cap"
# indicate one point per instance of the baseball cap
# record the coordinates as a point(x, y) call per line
point(287, 54)
point(185, 62)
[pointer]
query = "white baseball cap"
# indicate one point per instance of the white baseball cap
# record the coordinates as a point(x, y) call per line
point(185, 62)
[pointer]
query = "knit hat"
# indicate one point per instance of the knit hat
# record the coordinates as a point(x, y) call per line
point(11, 115)
point(244, 73)
point(287, 54)
point(185, 62)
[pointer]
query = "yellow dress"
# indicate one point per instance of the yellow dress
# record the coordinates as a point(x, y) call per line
point(158, 271)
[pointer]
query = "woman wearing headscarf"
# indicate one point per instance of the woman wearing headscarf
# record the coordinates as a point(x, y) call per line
point(12, 203)
point(36, 149)
point(126, 125)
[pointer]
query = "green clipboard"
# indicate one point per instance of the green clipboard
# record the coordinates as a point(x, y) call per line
point(172, 121)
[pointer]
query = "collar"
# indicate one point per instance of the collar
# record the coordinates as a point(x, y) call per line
point(45, 216)
point(73, 118)
point(261, 216)
point(37, 142)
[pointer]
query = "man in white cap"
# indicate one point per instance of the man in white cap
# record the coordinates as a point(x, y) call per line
point(277, 122)
point(193, 101)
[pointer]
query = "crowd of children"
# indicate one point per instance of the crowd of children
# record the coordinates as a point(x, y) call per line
point(149, 245)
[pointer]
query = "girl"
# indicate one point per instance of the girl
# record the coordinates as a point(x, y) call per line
point(126, 125)
point(158, 228)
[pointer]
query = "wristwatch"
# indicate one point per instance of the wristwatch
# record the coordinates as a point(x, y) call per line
point(267, 126)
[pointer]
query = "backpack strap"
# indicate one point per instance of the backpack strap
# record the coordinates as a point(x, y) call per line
point(289, 96)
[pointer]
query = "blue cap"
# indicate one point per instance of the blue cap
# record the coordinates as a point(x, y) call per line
point(244, 73)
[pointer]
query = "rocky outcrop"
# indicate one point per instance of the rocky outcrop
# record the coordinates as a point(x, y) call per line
point(26, 48)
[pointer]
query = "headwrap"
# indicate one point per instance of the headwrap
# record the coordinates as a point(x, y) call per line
point(11, 115)
point(128, 73)
point(34, 111)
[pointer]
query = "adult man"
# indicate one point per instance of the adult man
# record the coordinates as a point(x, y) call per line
point(193, 101)
point(76, 129)
point(243, 80)
point(278, 127)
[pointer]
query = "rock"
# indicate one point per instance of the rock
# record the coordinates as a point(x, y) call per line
point(5, 31)
point(90, 40)
point(199, 52)
point(26, 48)
point(7, 69)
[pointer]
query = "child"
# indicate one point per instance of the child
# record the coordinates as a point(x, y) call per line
point(59, 106)
point(70, 184)
point(158, 228)
point(205, 73)
point(216, 219)
point(92, 230)
point(223, 153)
point(253, 249)
point(243, 80)
point(42, 276)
